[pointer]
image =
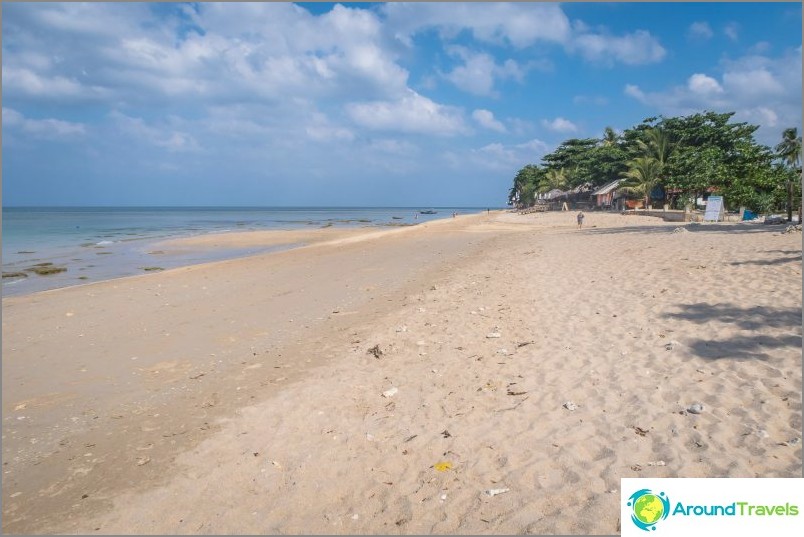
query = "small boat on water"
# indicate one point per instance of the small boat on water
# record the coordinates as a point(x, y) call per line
point(429, 211)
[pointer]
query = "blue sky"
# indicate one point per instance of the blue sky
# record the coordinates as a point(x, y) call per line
point(422, 104)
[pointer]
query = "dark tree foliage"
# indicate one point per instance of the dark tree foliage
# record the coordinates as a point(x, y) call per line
point(696, 154)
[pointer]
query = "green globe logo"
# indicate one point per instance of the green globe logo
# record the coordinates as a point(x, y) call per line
point(648, 508)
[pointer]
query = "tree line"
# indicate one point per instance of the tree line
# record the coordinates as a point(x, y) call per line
point(687, 156)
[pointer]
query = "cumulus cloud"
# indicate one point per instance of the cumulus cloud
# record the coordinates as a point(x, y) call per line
point(700, 30)
point(636, 48)
point(499, 156)
point(560, 124)
point(521, 25)
point(223, 53)
point(485, 118)
point(163, 136)
point(702, 84)
point(48, 128)
point(479, 71)
point(413, 113)
point(763, 90)
point(499, 23)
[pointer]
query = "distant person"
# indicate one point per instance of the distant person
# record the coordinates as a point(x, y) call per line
point(454, 214)
point(580, 219)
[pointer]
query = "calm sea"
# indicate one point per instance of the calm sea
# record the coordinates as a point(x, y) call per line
point(102, 243)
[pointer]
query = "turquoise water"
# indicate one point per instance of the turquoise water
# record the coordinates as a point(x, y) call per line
point(103, 243)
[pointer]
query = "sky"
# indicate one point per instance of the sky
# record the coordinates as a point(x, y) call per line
point(360, 104)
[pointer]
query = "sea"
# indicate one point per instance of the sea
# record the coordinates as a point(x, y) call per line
point(102, 243)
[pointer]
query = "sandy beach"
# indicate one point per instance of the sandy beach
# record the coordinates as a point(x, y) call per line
point(491, 373)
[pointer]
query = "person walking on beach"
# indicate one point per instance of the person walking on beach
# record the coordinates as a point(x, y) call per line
point(580, 219)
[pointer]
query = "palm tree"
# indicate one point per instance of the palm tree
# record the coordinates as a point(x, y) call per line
point(658, 145)
point(609, 137)
point(642, 177)
point(553, 179)
point(789, 150)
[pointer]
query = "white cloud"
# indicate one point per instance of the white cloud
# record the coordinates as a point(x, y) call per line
point(479, 71)
point(163, 136)
point(485, 118)
point(755, 82)
point(702, 84)
point(636, 48)
point(499, 157)
point(763, 90)
point(49, 129)
point(732, 31)
point(520, 25)
point(413, 113)
point(242, 51)
point(700, 30)
point(560, 124)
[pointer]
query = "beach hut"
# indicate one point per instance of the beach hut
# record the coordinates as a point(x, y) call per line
point(604, 196)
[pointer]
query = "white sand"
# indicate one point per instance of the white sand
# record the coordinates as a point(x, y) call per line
point(254, 406)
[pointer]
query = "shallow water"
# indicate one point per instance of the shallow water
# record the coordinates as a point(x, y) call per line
point(96, 244)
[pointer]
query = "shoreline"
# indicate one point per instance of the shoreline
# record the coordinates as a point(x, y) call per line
point(254, 378)
point(130, 257)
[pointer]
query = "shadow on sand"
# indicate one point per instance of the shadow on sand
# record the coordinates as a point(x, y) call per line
point(754, 318)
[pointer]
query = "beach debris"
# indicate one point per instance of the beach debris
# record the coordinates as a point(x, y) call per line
point(640, 431)
point(512, 392)
point(680, 230)
point(442, 466)
point(520, 345)
point(14, 275)
point(494, 492)
point(504, 352)
point(695, 408)
point(408, 439)
point(446, 433)
point(671, 345)
point(569, 405)
point(493, 335)
point(762, 433)
point(402, 328)
point(142, 461)
point(390, 392)
point(636, 468)
point(375, 350)
point(370, 437)
point(792, 442)
point(355, 516)
point(657, 463)
point(276, 464)
point(791, 229)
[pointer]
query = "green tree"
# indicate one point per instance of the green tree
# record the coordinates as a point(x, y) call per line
point(524, 187)
point(553, 179)
point(641, 177)
point(789, 150)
